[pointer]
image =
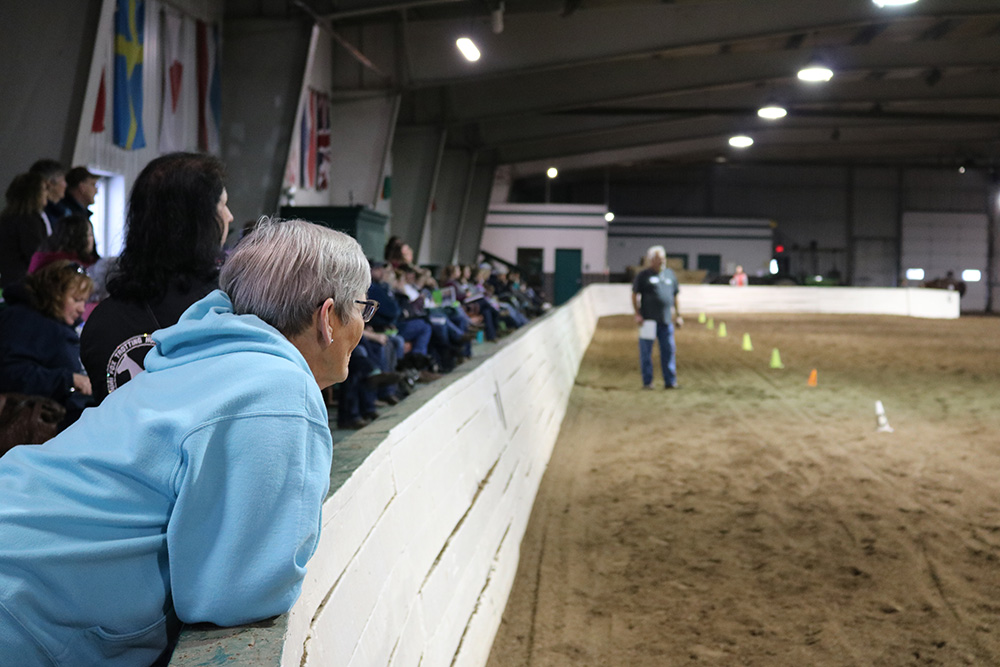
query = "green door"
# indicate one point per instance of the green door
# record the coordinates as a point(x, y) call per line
point(569, 275)
point(712, 264)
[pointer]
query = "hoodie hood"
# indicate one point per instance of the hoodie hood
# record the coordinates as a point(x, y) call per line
point(209, 328)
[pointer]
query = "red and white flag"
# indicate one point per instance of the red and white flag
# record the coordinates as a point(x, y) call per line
point(173, 119)
point(209, 87)
point(322, 141)
point(100, 107)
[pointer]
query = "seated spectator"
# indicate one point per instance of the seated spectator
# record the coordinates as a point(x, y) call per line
point(193, 493)
point(178, 217)
point(54, 175)
point(81, 190)
point(398, 253)
point(73, 240)
point(39, 349)
point(22, 229)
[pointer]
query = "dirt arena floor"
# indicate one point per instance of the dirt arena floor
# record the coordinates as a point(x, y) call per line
point(749, 519)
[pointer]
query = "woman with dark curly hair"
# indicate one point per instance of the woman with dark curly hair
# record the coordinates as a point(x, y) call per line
point(177, 220)
point(39, 348)
point(72, 239)
point(22, 228)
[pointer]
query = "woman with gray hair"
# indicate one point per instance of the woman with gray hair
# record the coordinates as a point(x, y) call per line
point(192, 493)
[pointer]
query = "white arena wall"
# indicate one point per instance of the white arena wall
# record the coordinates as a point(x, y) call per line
point(428, 506)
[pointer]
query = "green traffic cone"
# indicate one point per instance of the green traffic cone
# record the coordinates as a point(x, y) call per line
point(747, 345)
point(711, 323)
point(722, 330)
point(701, 318)
point(776, 359)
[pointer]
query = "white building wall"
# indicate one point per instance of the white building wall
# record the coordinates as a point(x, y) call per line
point(742, 241)
point(942, 242)
point(548, 226)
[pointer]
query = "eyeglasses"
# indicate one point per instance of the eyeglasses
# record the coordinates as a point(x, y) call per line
point(370, 307)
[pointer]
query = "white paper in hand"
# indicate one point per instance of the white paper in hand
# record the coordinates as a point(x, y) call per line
point(647, 331)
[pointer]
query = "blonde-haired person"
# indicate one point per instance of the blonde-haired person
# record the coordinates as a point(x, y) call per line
point(39, 347)
point(200, 482)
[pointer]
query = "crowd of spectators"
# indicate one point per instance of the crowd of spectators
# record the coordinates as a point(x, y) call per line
point(422, 326)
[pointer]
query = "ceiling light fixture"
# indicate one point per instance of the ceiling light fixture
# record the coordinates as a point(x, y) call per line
point(609, 216)
point(740, 141)
point(468, 49)
point(815, 72)
point(892, 3)
point(772, 111)
point(552, 172)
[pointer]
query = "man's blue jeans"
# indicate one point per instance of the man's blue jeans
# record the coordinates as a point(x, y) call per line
point(668, 361)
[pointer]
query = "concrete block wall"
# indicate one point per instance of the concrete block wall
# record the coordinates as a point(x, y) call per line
point(428, 506)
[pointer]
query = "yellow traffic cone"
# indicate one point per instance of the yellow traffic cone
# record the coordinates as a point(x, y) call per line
point(711, 323)
point(776, 359)
point(747, 346)
point(701, 318)
point(812, 381)
point(722, 330)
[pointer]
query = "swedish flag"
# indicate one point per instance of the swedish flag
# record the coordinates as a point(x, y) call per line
point(130, 20)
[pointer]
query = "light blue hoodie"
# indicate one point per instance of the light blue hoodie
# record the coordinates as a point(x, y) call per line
point(194, 488)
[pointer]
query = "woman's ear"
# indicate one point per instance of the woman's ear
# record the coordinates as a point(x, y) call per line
point(326, 322)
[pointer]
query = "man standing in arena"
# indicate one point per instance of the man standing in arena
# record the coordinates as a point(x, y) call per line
point(654, 298)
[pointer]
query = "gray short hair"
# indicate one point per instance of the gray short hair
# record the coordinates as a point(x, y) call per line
point(284, 270)
point(655, 250)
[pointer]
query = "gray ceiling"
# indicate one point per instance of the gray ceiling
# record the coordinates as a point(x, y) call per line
point(587, 83)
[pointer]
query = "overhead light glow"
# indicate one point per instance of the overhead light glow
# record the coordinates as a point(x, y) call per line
point(914, 274)
point(609, 216)
point(773, 267)
point(772, 112)
point(892, 3)
point(815, 72)
point(552, 172)
point(468, 49)
point(740, 141)
point(972, 275)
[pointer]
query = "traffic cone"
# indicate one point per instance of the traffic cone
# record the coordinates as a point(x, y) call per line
point(701, 318)
point(711, 323)
point(812, 378)
point(776, 359)
point(722, 330)
point(881, 421)
point(747, 346)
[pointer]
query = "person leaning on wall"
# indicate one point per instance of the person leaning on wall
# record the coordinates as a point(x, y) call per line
point(193, 493)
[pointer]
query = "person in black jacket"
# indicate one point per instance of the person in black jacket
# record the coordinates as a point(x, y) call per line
point(39, 348)
point(22, 228)
point(178, 218)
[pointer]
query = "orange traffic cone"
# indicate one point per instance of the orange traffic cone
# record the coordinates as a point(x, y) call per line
point(812, 378)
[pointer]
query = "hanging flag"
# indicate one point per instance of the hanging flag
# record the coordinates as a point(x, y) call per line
point(130, 24)
point(322, 141)
point(209, 88)
point(308, 142)
point(97, 125)
point(173, 118)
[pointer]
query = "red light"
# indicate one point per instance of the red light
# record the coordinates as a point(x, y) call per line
point(779, 249)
